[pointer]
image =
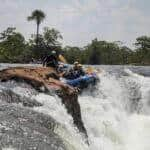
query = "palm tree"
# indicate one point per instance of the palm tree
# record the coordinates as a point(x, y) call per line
point(38, 16)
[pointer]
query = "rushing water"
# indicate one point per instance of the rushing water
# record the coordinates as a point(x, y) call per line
point(116, 115)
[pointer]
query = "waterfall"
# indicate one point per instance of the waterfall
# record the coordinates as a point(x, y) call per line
point(115, 114)
point(109, 116)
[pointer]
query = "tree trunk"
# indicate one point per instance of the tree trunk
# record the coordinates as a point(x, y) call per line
point(37, 35)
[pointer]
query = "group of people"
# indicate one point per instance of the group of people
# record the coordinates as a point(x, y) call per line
point(74, 72)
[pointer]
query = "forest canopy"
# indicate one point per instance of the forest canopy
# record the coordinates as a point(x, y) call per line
point(15, 49)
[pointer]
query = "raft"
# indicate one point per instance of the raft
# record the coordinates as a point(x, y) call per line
point(83, 81)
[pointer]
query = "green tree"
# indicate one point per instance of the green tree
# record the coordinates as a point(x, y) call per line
point(143, 49)
point(48, 40)
point(143, 42)
point(12, 45)
point(125, 55)
point(51, 37)
point(95, 55)
point(38, 16)
point(72, 54)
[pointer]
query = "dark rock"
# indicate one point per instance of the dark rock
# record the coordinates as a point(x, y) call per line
point(70, 100)
point(24, 129)
point(39, 77)
point(11, 97)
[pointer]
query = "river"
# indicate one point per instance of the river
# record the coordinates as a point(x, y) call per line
point(116, 114)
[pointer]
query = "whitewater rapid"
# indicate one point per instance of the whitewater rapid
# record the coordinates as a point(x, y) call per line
point(116, 114)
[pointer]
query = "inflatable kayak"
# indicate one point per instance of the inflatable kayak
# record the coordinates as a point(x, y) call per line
point(83, 81)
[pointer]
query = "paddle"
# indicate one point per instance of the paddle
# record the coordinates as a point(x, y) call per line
point(90, 70)
point(62, 59)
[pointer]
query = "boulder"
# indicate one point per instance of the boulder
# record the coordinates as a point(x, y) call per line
point(22, 129)
point(9, 96)
point(45, 79)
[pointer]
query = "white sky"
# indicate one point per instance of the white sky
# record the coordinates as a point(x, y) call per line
point(80, 21)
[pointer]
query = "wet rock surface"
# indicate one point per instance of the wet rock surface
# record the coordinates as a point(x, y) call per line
point(70, 100)
point(11, 97)
point(37, 78)
point(24, 129)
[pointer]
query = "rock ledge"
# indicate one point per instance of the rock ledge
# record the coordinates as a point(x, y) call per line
point(37, 77)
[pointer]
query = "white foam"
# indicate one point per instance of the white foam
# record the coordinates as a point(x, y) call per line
point(107, 121)
point(8, 148)
point(53, 106)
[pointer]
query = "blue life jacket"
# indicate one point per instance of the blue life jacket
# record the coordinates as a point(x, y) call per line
point(83, 80)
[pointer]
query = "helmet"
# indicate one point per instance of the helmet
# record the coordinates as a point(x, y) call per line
point(76, 63)
point(79, 65)
point(54, 52)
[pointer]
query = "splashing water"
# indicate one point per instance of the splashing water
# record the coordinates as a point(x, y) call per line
point(102, 116)
point(67, 131)
point(106, 117)
point(116, 115)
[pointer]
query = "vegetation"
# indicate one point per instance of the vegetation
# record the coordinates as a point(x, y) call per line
point(14, 47)
point(38, 16)
point(48, 40)
point(103, 52)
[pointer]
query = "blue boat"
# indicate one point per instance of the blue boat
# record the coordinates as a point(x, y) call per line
point(83, 81)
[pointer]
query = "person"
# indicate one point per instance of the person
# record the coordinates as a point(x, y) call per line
point(80, 71)
point(74, 72)
point(51, 60)
point(69, 74)
point(62, 67)
point(75, 65)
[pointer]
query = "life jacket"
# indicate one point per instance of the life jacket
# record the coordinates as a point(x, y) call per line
point(51, 61)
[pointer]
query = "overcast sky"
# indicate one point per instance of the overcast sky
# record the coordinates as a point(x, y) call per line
point(80, 21)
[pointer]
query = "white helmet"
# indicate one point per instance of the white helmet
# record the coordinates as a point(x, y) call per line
point(53, 52)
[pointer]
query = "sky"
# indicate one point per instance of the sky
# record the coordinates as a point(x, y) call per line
point(81, 21)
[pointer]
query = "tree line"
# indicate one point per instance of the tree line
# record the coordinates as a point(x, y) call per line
point(104, 52)
point(15, 49)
